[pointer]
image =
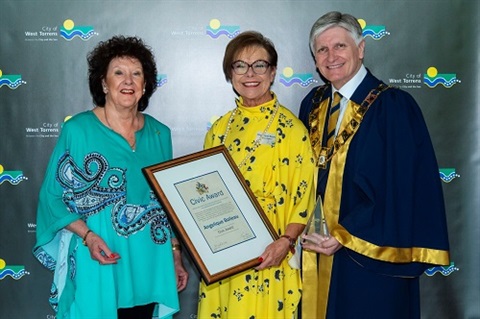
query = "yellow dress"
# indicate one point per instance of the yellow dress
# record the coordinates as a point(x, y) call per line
point(280, 172)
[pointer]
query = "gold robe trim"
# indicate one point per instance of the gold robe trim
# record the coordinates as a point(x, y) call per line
point(317, 269)
point(392, 254)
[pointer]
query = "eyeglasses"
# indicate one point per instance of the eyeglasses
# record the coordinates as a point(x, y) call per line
point(259, 67)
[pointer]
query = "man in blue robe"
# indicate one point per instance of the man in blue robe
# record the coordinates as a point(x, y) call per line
point(379, 181)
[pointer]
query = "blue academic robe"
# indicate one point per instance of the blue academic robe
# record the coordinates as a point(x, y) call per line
point(389, 209)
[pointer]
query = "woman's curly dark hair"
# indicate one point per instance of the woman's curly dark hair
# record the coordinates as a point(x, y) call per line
point(120, 46)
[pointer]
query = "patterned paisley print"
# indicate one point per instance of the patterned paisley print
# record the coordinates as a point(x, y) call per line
point(96, 186)
point(94, 175)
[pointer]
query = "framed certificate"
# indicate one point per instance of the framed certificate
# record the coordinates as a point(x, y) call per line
point(213, 210)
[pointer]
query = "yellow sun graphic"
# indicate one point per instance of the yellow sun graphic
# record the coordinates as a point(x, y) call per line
point(215, 24)
point(2, 263)
point(288, 72)
point(362, 22)
point(432, 71)
point(1, 168)
point(68, 24)
point(1, 73)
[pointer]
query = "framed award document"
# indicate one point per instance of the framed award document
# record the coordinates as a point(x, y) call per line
point(213, 211)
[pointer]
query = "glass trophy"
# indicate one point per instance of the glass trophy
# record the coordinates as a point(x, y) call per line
point(316, 222)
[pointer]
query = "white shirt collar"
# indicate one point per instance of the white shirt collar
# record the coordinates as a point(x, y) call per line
point(347, 91)
point(349, 88)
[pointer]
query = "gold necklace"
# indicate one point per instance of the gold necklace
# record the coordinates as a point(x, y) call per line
point(256, 143)
point(132, 145)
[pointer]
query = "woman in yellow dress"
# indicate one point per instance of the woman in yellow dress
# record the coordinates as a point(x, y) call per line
point(271, 147)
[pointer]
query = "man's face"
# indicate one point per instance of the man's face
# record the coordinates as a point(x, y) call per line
point(337, 57)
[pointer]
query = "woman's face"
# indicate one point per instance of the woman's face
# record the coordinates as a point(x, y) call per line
point(253, 88)
point(124, 82)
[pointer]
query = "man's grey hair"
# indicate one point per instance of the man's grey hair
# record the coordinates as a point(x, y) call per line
point(336, 19)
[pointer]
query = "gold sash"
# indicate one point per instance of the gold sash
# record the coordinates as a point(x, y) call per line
point(317, 270)
point(316, 120)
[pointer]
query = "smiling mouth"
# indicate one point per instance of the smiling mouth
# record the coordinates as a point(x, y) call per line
point(336, 66)
point(125, 91)
point(251, 84)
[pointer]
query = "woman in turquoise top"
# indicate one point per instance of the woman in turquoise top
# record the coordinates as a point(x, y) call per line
point(100, 229)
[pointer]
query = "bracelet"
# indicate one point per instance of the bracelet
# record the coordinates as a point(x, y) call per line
point(176, 247)
point(291, 242)
point(84, 241)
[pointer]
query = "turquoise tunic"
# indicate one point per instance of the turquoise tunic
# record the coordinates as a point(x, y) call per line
point(94, 175)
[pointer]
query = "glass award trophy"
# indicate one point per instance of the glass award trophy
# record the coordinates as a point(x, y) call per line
point(316, 222)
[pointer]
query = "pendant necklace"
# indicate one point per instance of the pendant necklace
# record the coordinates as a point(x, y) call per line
point(132, 145)
point(256, 143)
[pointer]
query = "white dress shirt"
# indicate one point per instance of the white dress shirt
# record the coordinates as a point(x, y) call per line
point(347, 91)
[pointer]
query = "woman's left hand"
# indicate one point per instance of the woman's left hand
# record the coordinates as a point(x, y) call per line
point(180, 272)
point(274, 254)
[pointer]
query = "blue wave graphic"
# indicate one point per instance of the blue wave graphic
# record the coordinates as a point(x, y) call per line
point(302, 80)
point(229, 31)
point(12, 179)
point(444, 270)
point(13, 85)
point(77, 33)
point(162, 81)
point(448, 178)
point(440, 80)
point(375, 35)
point(15, 275)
